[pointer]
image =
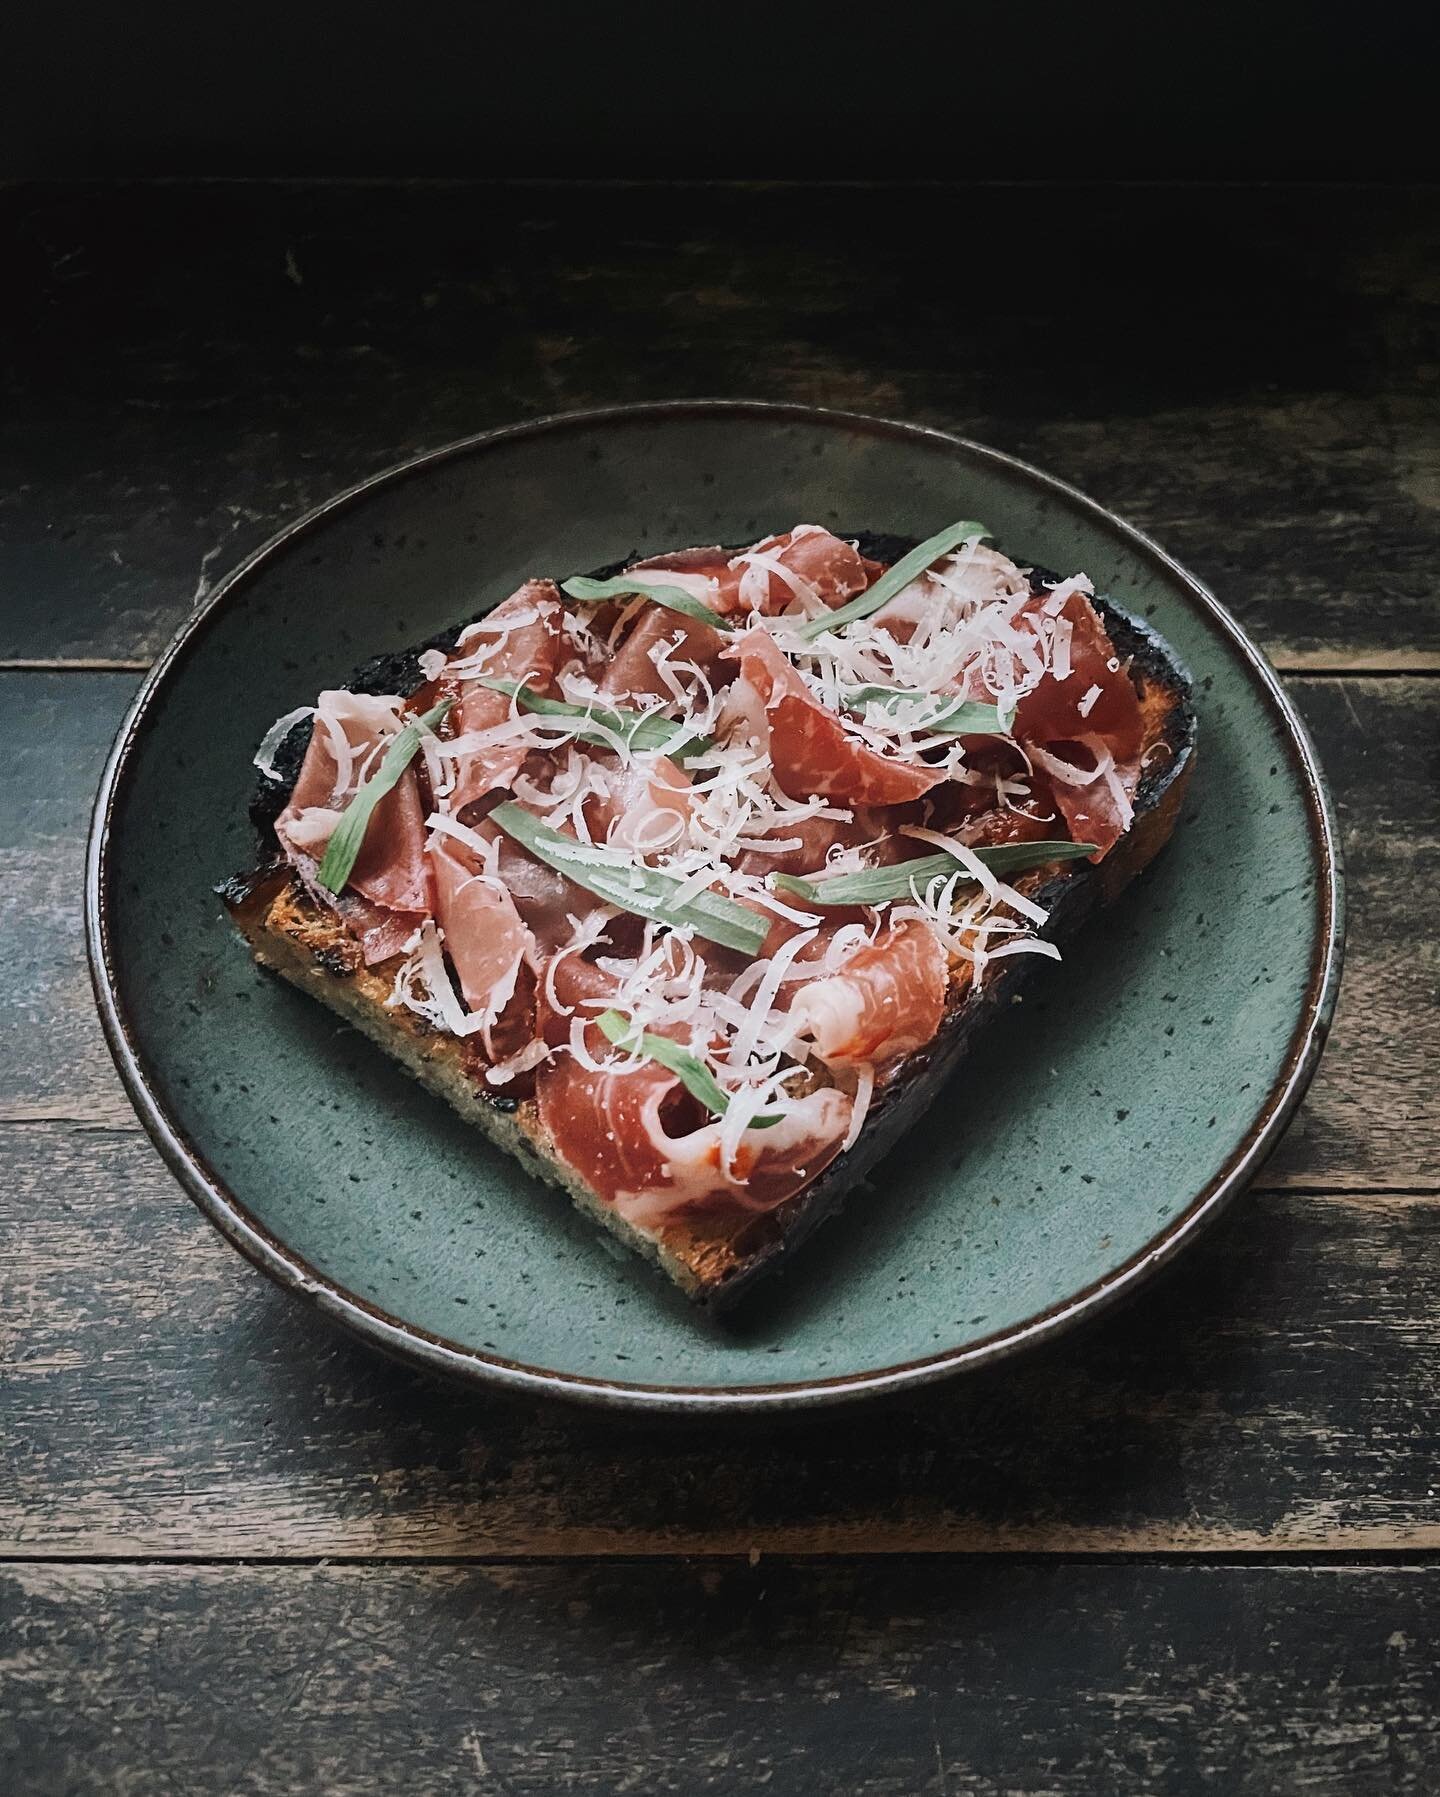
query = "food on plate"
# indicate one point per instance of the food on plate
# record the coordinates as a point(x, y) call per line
point(690, 881)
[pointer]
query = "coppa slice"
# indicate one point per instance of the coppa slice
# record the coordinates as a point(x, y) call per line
point(700, 915)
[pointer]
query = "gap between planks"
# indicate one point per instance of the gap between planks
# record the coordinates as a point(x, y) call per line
point(1414, 1547)
point(117, 1119)
point(73, 665)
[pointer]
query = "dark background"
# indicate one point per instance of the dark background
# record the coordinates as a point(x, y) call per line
point(438, 87)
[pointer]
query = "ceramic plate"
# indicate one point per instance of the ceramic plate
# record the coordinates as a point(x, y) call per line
point(1133, 1093)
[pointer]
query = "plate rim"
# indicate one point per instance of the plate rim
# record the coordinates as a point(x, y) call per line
point(407, 1341)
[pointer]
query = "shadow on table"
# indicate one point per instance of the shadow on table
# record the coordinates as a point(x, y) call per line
point(1137, 1423)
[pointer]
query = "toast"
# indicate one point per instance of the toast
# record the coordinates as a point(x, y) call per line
point(714, 1252)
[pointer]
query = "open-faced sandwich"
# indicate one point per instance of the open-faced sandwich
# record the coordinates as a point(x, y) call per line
point(690, 881)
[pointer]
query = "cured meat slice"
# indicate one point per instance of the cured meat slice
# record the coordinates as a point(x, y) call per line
point(1052, 712)
point(1084, 730)
point(520, 640)
point(885, 1002)
point(388, 891)
point(485, 937)
point(812, 752)
point(643, 1144)
point(549, 905)
point(807, 564)
point(633, 673)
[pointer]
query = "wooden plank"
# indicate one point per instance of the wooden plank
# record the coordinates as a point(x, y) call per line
point(55, 731)
point(264, 346)
point(1372, 1119)
point(162, 1399)
point(1373, 1116)
point(1057, 1680)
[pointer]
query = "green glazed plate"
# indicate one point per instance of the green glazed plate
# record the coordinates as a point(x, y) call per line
point(1120, 1107)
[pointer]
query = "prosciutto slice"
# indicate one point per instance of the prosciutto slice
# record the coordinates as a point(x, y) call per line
point(807, 564)
point(520, 640)
point(640, 1140)
point(548, 904)
point(811, 751)
point(485, 937)
point(886, 1001)
point(633, 674)
point(1088, 727)
point(388, 892)
point(644, 807)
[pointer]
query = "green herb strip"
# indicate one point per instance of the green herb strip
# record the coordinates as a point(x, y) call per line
point(643, 890)
point(966, 717)
point(689, 1069)
point(348, 838)
point(626, 586)
point(895, 579)
point(635, 729)
point(878, 885)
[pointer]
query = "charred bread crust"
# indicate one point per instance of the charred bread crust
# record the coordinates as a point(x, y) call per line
point(714, 1259)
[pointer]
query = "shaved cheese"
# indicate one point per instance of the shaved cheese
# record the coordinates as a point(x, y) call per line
point(1060, 648)
point(762, 845)
point(488, 851)
point(585, 933)
point(1124, 809)
point(1087, 704)
point(864, 1091)
point(995, 889)
point(1024, 945)
point(275, 735)
point(616, 1064)
point(761, 895)
point(1064, 590)
point(1064, 771)
point(309, 830)
point(343, 753)
point(748, 1036)
point(741, 1111)
point(423, 985)
point(533, 1054)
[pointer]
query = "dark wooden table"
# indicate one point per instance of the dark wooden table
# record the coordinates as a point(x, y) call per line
point(1196, 1546)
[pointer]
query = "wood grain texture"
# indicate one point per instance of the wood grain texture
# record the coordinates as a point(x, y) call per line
point(1372, 1120)
point(1249, 373)
point(162, 1399)
point(1058, 1681)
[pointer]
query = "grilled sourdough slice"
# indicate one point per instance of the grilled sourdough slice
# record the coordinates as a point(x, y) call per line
point(713, 1258)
